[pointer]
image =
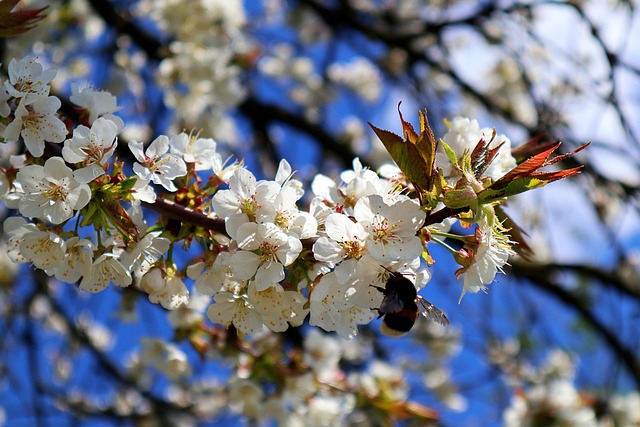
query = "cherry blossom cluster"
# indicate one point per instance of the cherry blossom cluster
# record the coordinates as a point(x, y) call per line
point(318, 388)
point(548, 392)
point(273, 265)
point(202, 76)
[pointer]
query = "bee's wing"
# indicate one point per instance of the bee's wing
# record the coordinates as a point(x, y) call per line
point(391, 303)
point(431, 312)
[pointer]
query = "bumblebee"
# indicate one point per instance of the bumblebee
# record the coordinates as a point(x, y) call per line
point(401, 304)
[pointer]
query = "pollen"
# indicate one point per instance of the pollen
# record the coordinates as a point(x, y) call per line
point(353, 248)
point(32, 120)
point(93, 151)
point(267, 252)
point(249, 206)
point(283, 219)
point(56, 192)
point(380, 230)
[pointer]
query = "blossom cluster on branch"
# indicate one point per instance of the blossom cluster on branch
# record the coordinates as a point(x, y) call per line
point(274, 264)
point(547, 393)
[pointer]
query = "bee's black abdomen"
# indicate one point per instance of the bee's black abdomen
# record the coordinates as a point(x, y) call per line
point(399, 307)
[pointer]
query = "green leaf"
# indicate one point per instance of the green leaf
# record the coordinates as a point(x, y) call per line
point(128, 183)
point(104, 211)
point(121, 220)
point(450, 154)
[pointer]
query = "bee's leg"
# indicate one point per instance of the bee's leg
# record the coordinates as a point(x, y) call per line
point(380, 314)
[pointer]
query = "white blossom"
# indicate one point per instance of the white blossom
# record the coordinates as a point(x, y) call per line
point(358, 183)
point(359, 75)
point(105, 269)
point(246, 397)
point(91, 148)
point(325, 189)
point(240, 203)
point(157, 164)
point(343, 246)
point(322, 354)
point(97, 104)
point(209, 280)
point(51, 192)
point(190, 314)
point(278, 308)
point(229, 308)
point(329, 410)
point(193, 149)
point(140, 256)
point(283, 211)
point(392, 229)
point(36, 121)
point(142, 191)
point(44, 249)
point(165, 287)
point(5, 109)
point(285, 214)
point(222, 169)
point(492, 253)
point(463, 135)
point(276, 250)
point(77, 260)
point(332, 310)
point(284, 177)
point(27, 79)
point(15, 227)
point(164, 357)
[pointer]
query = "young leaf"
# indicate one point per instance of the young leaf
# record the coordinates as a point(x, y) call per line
point(19, 21)
point(526, 175)
point(415, 154)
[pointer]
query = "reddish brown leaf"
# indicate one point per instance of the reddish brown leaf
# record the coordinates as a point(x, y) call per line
point(527, 167)
point(19, 21)
point(530, 149)
point(564, 156)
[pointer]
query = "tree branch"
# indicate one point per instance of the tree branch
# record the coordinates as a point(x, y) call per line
point(544, 283)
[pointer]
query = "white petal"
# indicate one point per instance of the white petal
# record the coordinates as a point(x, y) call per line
point(223, 308)
point(225, 203)
point(268, 274)
point(88, 173)
point(173, 166)
point(136, 148)
point(244, 264)
point(58, 212)
point(79, 197)
point(287, 254)
point(105, 131)
point(340, 228)
point(56, 170)
point(12, 131)
point(142, 172)
point(346, 270)
point(327, 250)
point(242, 183)
point(284, 171)
point(363, 212)
point(247, 236)
point(158, 147)
point(305, 225)
point(233, 223)
point(247, 321)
